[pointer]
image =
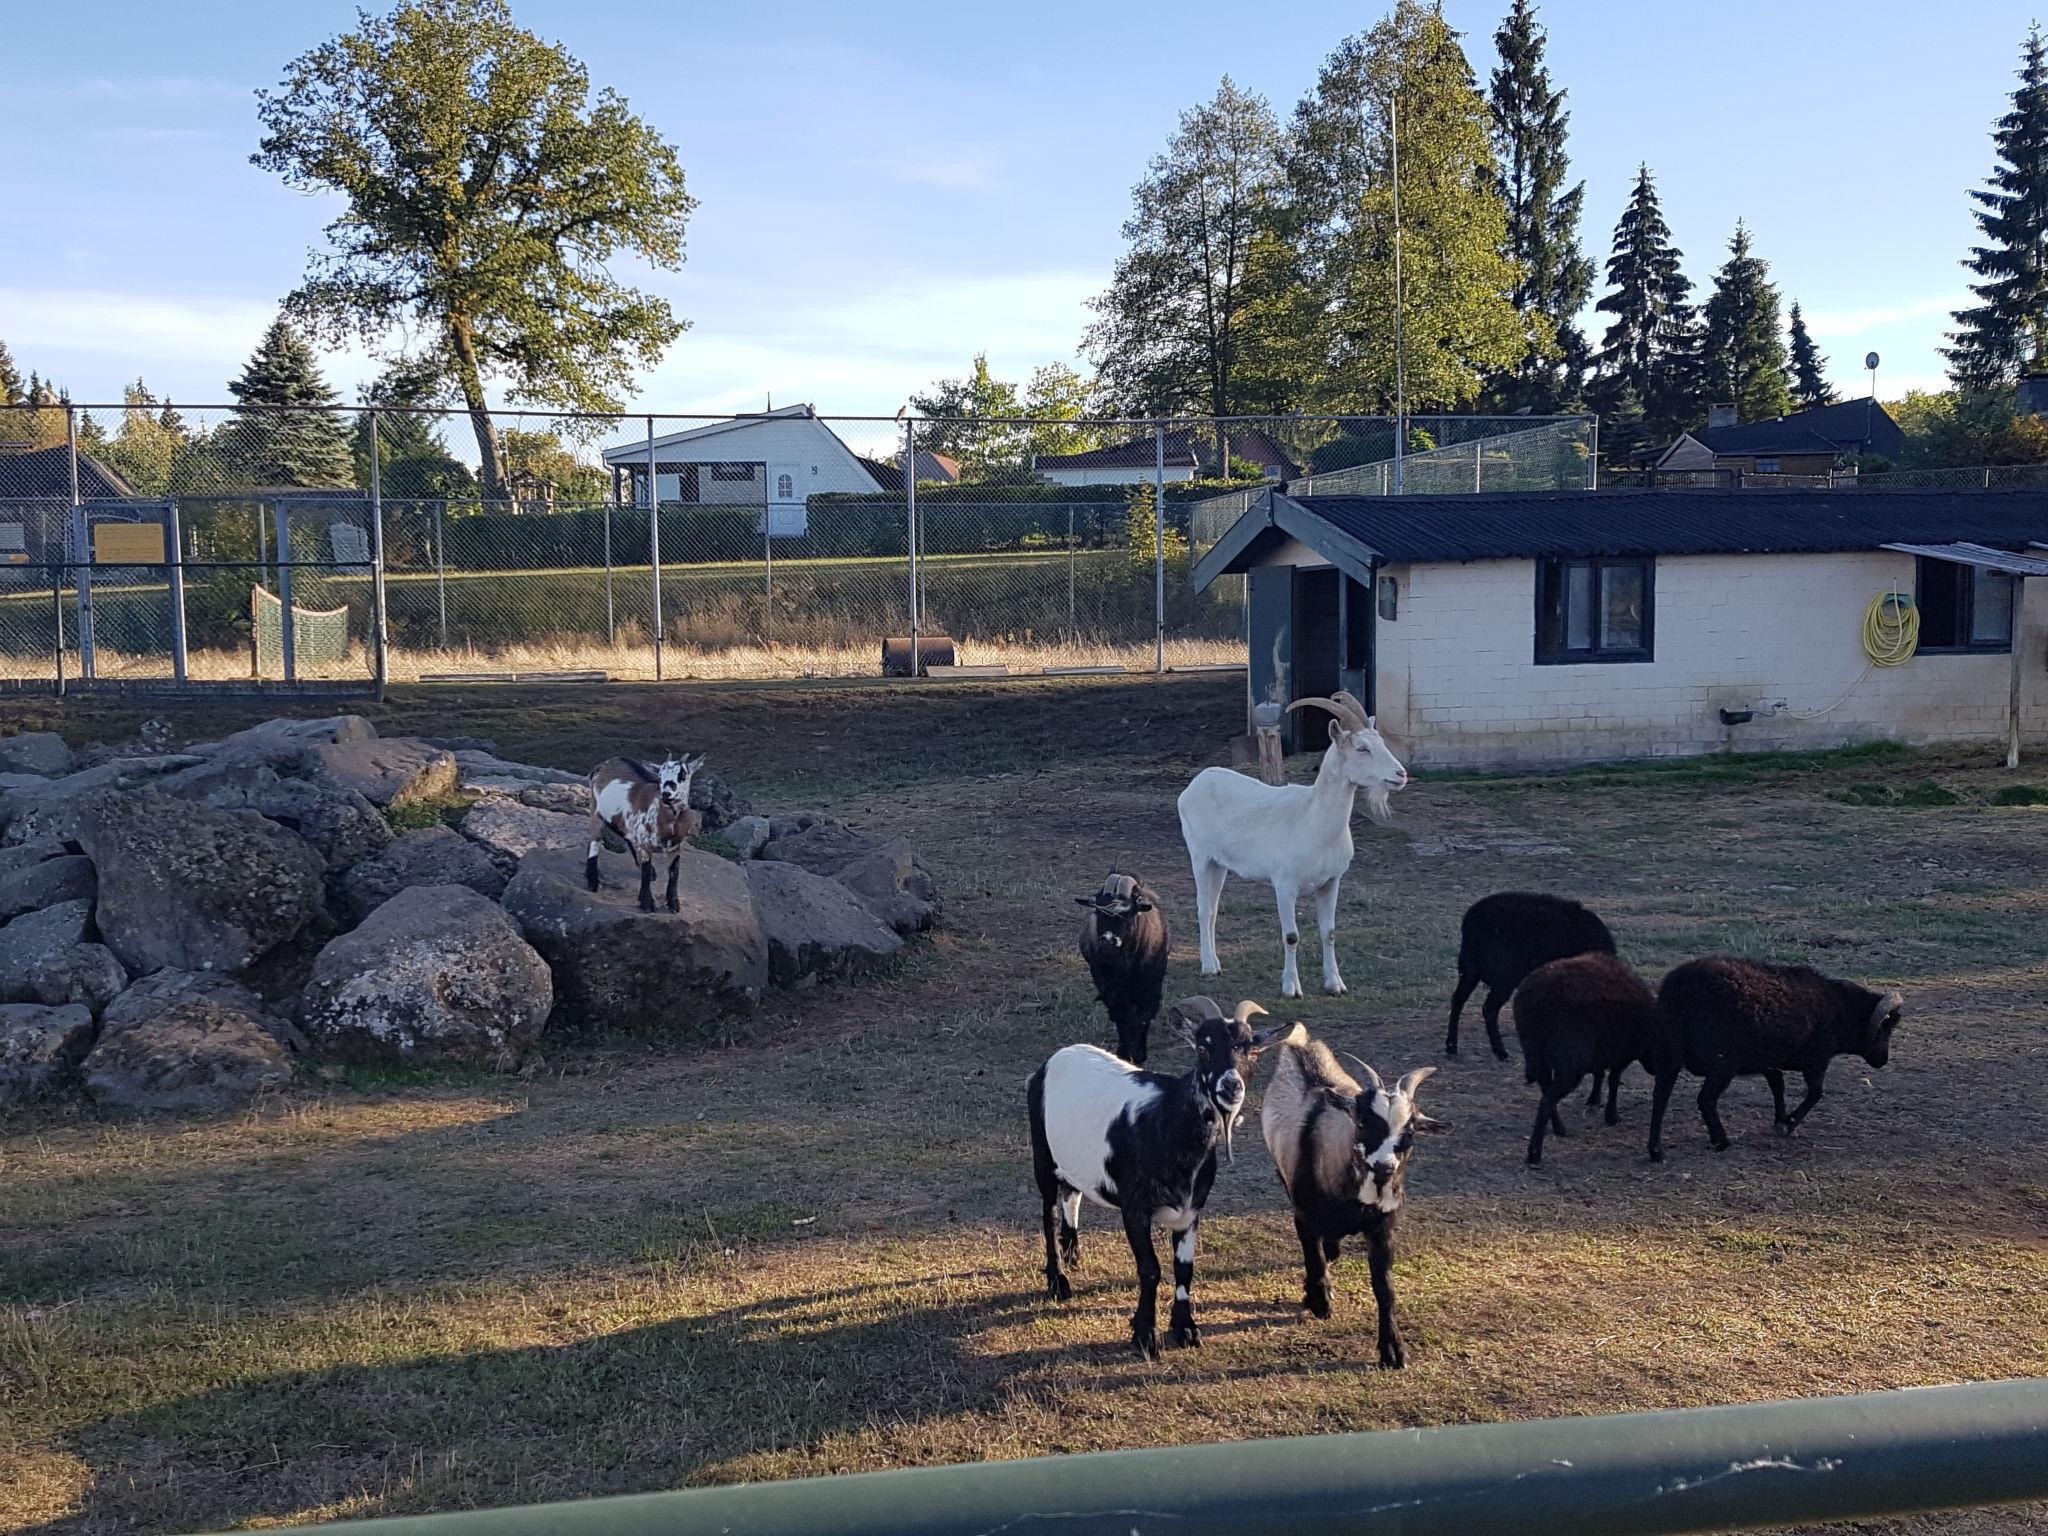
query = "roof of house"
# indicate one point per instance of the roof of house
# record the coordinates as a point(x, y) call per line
point(45, 473)
point(1185, 448)
point(888, 473)
point(1822, 429)
point(1360, 532)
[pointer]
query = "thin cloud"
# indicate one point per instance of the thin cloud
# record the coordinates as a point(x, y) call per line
point(155, 89)
point(1856, 322)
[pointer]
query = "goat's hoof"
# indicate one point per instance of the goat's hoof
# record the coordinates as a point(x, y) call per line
point(1318, 1305)
point(1335, 988)
point(1786, 1127)
point(1451, 1050)
point(1392, 1356)
point(1186, 1336)
point(1290, 991)
point(1656, 1154)
point(1535, 1159)
point(1500, 1053)
point(674, 905)
point(1146, 1342)
point(1721, 1144)
point(1058, 1288)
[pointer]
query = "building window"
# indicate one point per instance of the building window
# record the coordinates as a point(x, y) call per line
point(743, 472)
point(1595, 610)
point(1963, 607)
point(1767, 466)
point(785, 488)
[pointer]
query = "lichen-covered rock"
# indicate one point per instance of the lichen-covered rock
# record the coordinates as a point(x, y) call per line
point(43, 883)
point(392, 770)
point(48, 810)
point(196, 1055)
point(182, 884)
point(429, 856)
point(340, 824)
point(436, 974)
point(474, 764)
point(715, 801)
point(615, 965)
point(294, 736)
point(35, 939)
point(815, 926)
point(513, 830)
point(889, 876)
point(42, 752)
point(748, 835)
point(87, 974)
point(160, 991)
point(40, 1049)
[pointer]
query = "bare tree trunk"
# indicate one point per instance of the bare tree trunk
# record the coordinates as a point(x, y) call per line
point(490, 457)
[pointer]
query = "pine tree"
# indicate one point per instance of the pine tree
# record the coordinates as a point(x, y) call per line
point(12, 390)
point(2007, 332)
point(286, 447)
point(1529, 124)
point(144, 449)
point(1742, 356)
point(1649, 349)
point(1810, 386)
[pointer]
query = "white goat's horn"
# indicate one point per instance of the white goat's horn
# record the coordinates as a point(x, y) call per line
point(1378, 1085)
point(1341, 705)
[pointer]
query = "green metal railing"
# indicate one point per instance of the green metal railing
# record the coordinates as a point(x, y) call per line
point(1744, 1467)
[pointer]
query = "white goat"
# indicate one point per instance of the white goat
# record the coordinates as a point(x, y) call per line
point(1298, 836)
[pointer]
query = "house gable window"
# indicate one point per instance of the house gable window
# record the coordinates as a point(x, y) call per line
point(1962, 607)
point(785, 488)
point(743, 472)
point(1595, 610)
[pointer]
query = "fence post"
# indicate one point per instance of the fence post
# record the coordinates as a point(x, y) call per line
point(81, 544)
point(910, 527)
point(1478, 464)
point(175, 535)
point(1073, 624)
point(288, 639)
point(1159, 545)
point(57, 614)
point(1593, 458)
point(767, 569)
point(441, 569)
point(380, 635)
point(654, 542)
point(611, 628)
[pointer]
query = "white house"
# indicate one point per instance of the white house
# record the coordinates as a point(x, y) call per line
point(1558, 627)
point(777, 460)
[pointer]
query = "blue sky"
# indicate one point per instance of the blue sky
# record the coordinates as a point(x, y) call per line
point(886, 189)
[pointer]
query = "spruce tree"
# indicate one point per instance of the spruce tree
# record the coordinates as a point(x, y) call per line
point(12, 390)
point(1529, 123)
point(307, 447)
point(1648, 349)
point(2006, 333)
point(1810, 386)
point(1742, 354)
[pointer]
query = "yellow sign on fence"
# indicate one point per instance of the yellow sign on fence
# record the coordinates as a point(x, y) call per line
point(128, 543)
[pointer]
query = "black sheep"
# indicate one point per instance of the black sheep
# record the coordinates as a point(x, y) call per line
point(1583, 1014)
point(1125, 943)
point(1722, 1018)
point(1507, 935)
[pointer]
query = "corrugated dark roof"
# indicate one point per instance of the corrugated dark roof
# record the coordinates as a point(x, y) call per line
point(1845, 424)
point(1765, 437)
point(1185, 448)
point(46, 473)
point(1507, 525)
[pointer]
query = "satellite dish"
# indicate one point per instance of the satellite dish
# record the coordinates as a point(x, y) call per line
point(1870, 359)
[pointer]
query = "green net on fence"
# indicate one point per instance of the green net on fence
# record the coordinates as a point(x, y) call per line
point(319, 635)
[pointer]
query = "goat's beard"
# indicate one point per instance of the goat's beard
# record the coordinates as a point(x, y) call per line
point(1379, 802)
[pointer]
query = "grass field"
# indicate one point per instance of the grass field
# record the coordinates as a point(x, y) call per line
point(813, 1246)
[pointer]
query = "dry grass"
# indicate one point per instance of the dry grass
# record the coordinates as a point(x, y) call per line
point(813, 1248)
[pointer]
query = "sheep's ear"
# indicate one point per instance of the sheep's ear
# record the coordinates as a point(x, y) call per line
point(1345, 1103)
point(1143, 906)
point(1410, 1081)
point(1182, 1025)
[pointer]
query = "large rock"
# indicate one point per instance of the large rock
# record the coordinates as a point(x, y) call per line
point(394, 770)
point(748, 835)
point(194, 1055)
point(715, 801)
point(430, 856)
point(40, 752)
point(44, 883)
point(889, 877)
point(815, 926)
point(563, 799)
point(474, 765)
point(48, 811)
point(40, 1049)
point(291, 737)
point(513, 830)
point(35, 939)
point(182, 884)
point(615, 965)
point(161, 991)
point(340, 824)
point(438, 973)
point(86, 974)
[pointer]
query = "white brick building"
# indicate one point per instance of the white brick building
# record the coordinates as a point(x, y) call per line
point(1551, 628)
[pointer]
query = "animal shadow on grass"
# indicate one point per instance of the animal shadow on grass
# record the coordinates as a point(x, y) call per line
point(639, 1409)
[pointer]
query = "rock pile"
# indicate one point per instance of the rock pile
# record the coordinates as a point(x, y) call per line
point(177, 928)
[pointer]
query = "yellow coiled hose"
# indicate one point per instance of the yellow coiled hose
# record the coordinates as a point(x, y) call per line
point(1891, 629)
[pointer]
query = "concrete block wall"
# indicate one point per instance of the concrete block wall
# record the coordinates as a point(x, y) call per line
point(1459, 687)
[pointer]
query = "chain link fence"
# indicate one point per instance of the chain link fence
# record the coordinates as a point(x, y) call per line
point(151, 544)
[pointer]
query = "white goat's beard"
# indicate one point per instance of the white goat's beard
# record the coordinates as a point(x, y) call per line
point(1377, 803)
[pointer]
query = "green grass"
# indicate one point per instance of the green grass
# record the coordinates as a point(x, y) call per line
point(2021, 794)
point(430, 811)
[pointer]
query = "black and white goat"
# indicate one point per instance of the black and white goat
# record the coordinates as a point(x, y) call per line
point(1297, 836)
point(1722, 1018)
point(1125, 943)
point(1341, 1150)
point(1144, 1144)
point(649, 808)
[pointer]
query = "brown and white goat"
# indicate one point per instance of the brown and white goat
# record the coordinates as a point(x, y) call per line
point(650, 809)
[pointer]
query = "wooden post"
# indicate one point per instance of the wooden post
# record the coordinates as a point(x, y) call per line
point(2019, 659)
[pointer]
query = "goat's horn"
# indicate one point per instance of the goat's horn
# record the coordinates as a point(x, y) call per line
point(1342, 706)
point(1378, 1085)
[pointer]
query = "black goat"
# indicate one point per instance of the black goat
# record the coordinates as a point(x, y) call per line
point(1341, 1150)
point(1507, 935)
point(1722, 1018)
point(1144, 1144)
point(1583, 1014)
point(1125, 943)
